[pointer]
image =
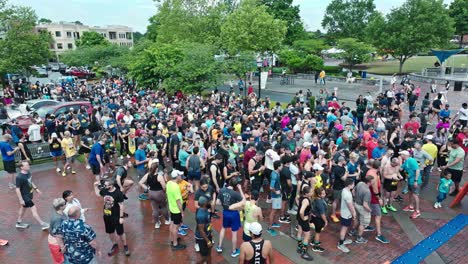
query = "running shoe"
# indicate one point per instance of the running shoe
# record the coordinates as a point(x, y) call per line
point(391, 208)
point(197, 247)
point(369, 229)
point(408, 208)
point(184, 227)
point(334, 218)
point(157, 225)
point(58, 170)
point(382, 239)
point(415, 214)
point(178, 247)
point(113, 250)
point(284, 220)
point(235, 253)
point(182, 232)
point(317, 248)
point(215, 216)
point(343, 248)
point(143, 197)
point(399, 198)
point(11, 186)
point(127, 251)
point(305, 256)
point(290, 211)
point(384, 210)
point(275, 225)
point(454, 193)
point(21, 225)
point(272, 232)
point(167, 222)
point(361, 240)
point(64, 174)
point(219, 249)
point(73, 172)
point(347, 242)
point(88, 167)
point(352, 233)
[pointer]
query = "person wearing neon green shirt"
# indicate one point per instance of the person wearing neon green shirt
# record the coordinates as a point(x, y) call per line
point(174, 199)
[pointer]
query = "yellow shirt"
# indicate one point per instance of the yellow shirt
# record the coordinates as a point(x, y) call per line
point(431, 149)
point(322, 74)
point(184, 189)
point(238, 128)
point(68, 147)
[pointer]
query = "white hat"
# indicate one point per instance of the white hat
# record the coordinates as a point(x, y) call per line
point(306, 144)
point(54, 135)
point(254, 228)
point(317, 167)
point(176, 173)
point(404, 152)
point(239, 137)
point(429, 137)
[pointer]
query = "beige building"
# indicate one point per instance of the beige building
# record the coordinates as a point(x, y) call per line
point(65, 34)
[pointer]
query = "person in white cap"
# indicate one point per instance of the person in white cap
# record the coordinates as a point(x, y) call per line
point(411, 167)
point(174, 199)
point(258, 250)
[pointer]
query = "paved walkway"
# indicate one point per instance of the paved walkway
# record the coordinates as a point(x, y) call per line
point(148, 244)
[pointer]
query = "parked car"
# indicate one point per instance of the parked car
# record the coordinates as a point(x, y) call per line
point(63, 108)
point(78, 73)
point(42, 72)
point(54, 67)
point(35, 104)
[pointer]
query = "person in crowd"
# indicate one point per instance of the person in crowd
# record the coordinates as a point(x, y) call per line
point(348, 213)
point(175, 201)
point(8, 158)
point(411, 168)
point(56, 219)
point(445, 186)
point(257, 250)
point(454, 165)
point(71, 201)
point(69, 148)
point(203, 236)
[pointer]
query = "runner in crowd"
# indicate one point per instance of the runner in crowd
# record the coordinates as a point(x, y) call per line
point(56, 219)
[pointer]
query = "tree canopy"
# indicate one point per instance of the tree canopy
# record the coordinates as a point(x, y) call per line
point(414, 27)
point(91, 38)
point(348, 18)
point(354, 51)
point(458, 10)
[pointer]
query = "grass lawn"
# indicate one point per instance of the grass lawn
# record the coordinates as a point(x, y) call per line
point(415, 64)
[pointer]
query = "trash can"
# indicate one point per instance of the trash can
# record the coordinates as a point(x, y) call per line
point(458, 86)
point(364, 74)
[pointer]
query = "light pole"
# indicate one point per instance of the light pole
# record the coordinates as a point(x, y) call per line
point(259, 65)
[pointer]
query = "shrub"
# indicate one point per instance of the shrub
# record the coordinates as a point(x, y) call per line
point(312, 103)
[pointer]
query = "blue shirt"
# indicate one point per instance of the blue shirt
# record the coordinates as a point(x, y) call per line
point(444, 185)
point(377, 153)
point(275, 184)
point(4, 148)
point(97, 149)
point(140, 155)
point(203, 218)
point(444, 113)
point(76, 237)
point(410, 166)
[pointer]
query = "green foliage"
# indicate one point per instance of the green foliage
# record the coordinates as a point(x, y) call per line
point(332, 69)
point(44, 20)
point(348, 18)
point(286, 11)
point(458, 10)
point(137, 36)
point(414, 27)
point(298, 61)
point(251, 28)
point(310, 46)
point(90, 39)
point(354, 51)
point(21, 47)
point(240, 64)
point(101, 56)
point(312, 103)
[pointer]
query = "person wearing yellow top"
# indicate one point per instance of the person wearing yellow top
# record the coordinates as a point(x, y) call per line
point(185, 189)
point(238, 127)
point(252, 212)
point(322, 77)
point(174, 199)
point(69, 149)
point(431, 149)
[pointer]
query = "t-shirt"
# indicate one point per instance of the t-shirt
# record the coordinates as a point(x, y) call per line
point(183, 156)
point(362, 193)
point(463, 113)
point(444, 185)
point(285, 175)
point(68, 147)
point(337, 173)
point(203, 218)
point(228, 197)
point(378, 152)
point(290, 143)
point(76, 237)
point(194, 164)
point(319, 207)
point(346, 197)
point(97, 149)
point(410, 166)
point(421, 157)
point(140, 155)
point(208, 194)
point(111, 202)
point(274, 183)
point(431, 149)
point(4, 148)
point(24, 183)
point(453, 155)
point(55, 223)
point(173, 194)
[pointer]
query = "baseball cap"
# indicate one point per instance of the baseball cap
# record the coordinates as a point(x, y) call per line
point(317, 167)
point(54, 135)
point(429, 137)
point(176, 173)
point(307, 144)
point(404, 152)
point(255, 228)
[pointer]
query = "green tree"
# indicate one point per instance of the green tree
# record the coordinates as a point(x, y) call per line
point(44, 20)
point(286, 11)
point(310, 46)
point(99, 56)
point(414, 27)
point(137, 36)
point(240, 64)
point(458, 10)
point(21, 47)
point(91, 38)
point(354, 51)
point(298, 61)
point(251, 28)
point(78, 22)
point(348, 18)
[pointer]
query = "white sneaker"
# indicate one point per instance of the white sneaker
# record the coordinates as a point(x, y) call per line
point(11, 186)
point(347, 242)
point(439, 205)
point(436, 205)
point(58, 170)
point(343, 248)
point(157, 225)
point(293, 212)
point(121, 157)
point(197, 247)
point(88, 167)
point(268, 201)
point(167, 222)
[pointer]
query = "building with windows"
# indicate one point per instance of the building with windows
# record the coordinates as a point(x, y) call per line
point(65, 34)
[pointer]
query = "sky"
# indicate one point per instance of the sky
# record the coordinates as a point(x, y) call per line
point(135, 13)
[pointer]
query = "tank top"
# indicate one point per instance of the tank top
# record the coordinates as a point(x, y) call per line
point(218, 176)
point(318, 181)
point(307, 209)
point(55, 145)
point(256, 167)
point(314, 149)
point(257, 257)
point(153, 183)
point(194, 164)
point(249, 209)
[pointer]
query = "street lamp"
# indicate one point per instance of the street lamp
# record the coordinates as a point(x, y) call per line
point(259, 65)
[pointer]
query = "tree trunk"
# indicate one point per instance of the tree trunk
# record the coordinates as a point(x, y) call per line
point(402, 61)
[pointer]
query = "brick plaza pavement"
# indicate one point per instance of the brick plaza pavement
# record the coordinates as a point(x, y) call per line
point(149, 245)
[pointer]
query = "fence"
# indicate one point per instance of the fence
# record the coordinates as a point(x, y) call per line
point(38, 151)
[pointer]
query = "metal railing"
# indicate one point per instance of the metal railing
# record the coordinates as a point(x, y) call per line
point(38, 151)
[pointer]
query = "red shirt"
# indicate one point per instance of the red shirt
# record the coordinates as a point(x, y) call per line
point(371, 145)
point(463, 142)
point(413, 126)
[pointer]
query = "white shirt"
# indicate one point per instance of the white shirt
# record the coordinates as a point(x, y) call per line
point(128, 119)
point(270, 157)
point(76, 203)
point(463, 114)
point(34, 132)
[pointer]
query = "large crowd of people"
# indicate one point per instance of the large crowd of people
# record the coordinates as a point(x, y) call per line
point(340, 162)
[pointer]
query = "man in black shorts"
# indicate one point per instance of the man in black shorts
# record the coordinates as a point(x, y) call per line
point(8, 157)
point(286, 188)
point(24, 190)
point(203, 235)
point(113, 213)
point(120, 177)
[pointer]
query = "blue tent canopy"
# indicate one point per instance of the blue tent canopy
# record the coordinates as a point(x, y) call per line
point(443, 55)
